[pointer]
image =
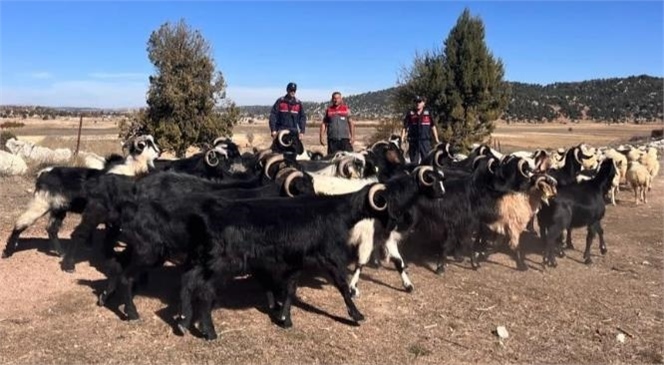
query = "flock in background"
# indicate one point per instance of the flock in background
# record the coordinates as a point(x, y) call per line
point(274, 213)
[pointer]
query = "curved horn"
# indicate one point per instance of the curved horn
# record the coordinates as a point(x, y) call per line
point(488, 165)
point(290, 179)
point(421, 175)
point(539, 179)
point(280, 137)
point(576, 154)
point(261, 155)
point(343, 167)
point(551, 180)
point(520, 167)
point(378, 143)
point(482, 150)
point(475, 161)
point(372, 192)
point(218, 140)
point(437, 158)
point(211, 158)
point(283, 172)
point(269, 163)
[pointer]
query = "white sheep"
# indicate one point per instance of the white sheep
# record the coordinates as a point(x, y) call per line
point(650, 160)
point(30, 151)
point(620, 160)
point(11, 164)
point(638, 177)
point(92, 160)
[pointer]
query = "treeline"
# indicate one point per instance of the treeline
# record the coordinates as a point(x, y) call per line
point(631, 99)
point(46, 113)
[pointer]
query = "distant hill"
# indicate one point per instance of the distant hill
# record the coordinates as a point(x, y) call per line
point(635, 98)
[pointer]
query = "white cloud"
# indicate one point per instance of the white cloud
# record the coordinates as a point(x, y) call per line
point(119, 75)
point(40, 75)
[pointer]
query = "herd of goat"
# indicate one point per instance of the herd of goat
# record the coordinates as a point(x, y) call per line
point(273, 213)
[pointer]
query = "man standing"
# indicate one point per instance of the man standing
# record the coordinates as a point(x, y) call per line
point(418, 124)
point(288, 113)
point(337, 126)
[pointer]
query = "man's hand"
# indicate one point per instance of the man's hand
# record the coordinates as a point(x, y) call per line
point(322, 141)
point(274, 134)
point(352, 140)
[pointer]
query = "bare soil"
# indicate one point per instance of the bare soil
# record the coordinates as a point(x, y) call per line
point(569, 314)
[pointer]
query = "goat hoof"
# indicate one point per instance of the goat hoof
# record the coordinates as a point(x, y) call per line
point(409, 288)
point(588, 261)
point(6, 254)
point(458, 258)
point(522, 267)
point(285, 322)
point(603, 250)
point(354, 292)
point(440, 270)
point(67, 267)
point(101, 299)
point(357, 317)
point(181, 327)
point(211, 336)
point(132, 315)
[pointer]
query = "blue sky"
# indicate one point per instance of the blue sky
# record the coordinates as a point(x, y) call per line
point(94, 53)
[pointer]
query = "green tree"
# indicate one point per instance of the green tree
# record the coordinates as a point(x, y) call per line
point(186, 100)
point(463, 84)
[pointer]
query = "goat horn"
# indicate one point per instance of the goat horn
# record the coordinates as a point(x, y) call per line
point(218, 140)
point(211, 158)
point(378, 143)
point(421, 175)
point(520, 166)
point(437, 158)
point(343, 166)
point(488, 165)
point(372, 193)
point(289, 180)
point(475, 161)
point(269, 163)
point(280, 138)
point(576, 154)
point(284, 171)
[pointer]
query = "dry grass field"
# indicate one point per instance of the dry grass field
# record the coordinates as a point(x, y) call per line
point(570, 314)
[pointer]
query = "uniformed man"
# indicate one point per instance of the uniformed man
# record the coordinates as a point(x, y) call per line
point(288, 113)
point(419, 127)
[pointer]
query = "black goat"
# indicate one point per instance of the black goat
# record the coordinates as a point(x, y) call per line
point(60, 190)
point(576, 205)
point(227, 237)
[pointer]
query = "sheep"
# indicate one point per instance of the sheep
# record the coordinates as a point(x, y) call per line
point(92, 160)
point(621, 162)
point(650, 160)
point(576, 205)
point(639, 179)
point(59, 190)
point(11, 164)
point(29, 150)
point(516, 209)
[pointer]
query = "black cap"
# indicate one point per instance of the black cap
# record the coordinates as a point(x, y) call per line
point(291, 86)
point(418, 98)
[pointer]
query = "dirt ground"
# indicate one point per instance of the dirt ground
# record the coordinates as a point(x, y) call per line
point(570, 314)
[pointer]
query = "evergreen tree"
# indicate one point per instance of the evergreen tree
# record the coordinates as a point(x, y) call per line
point(187, 102)
point(475, 92)
point(463, 84)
